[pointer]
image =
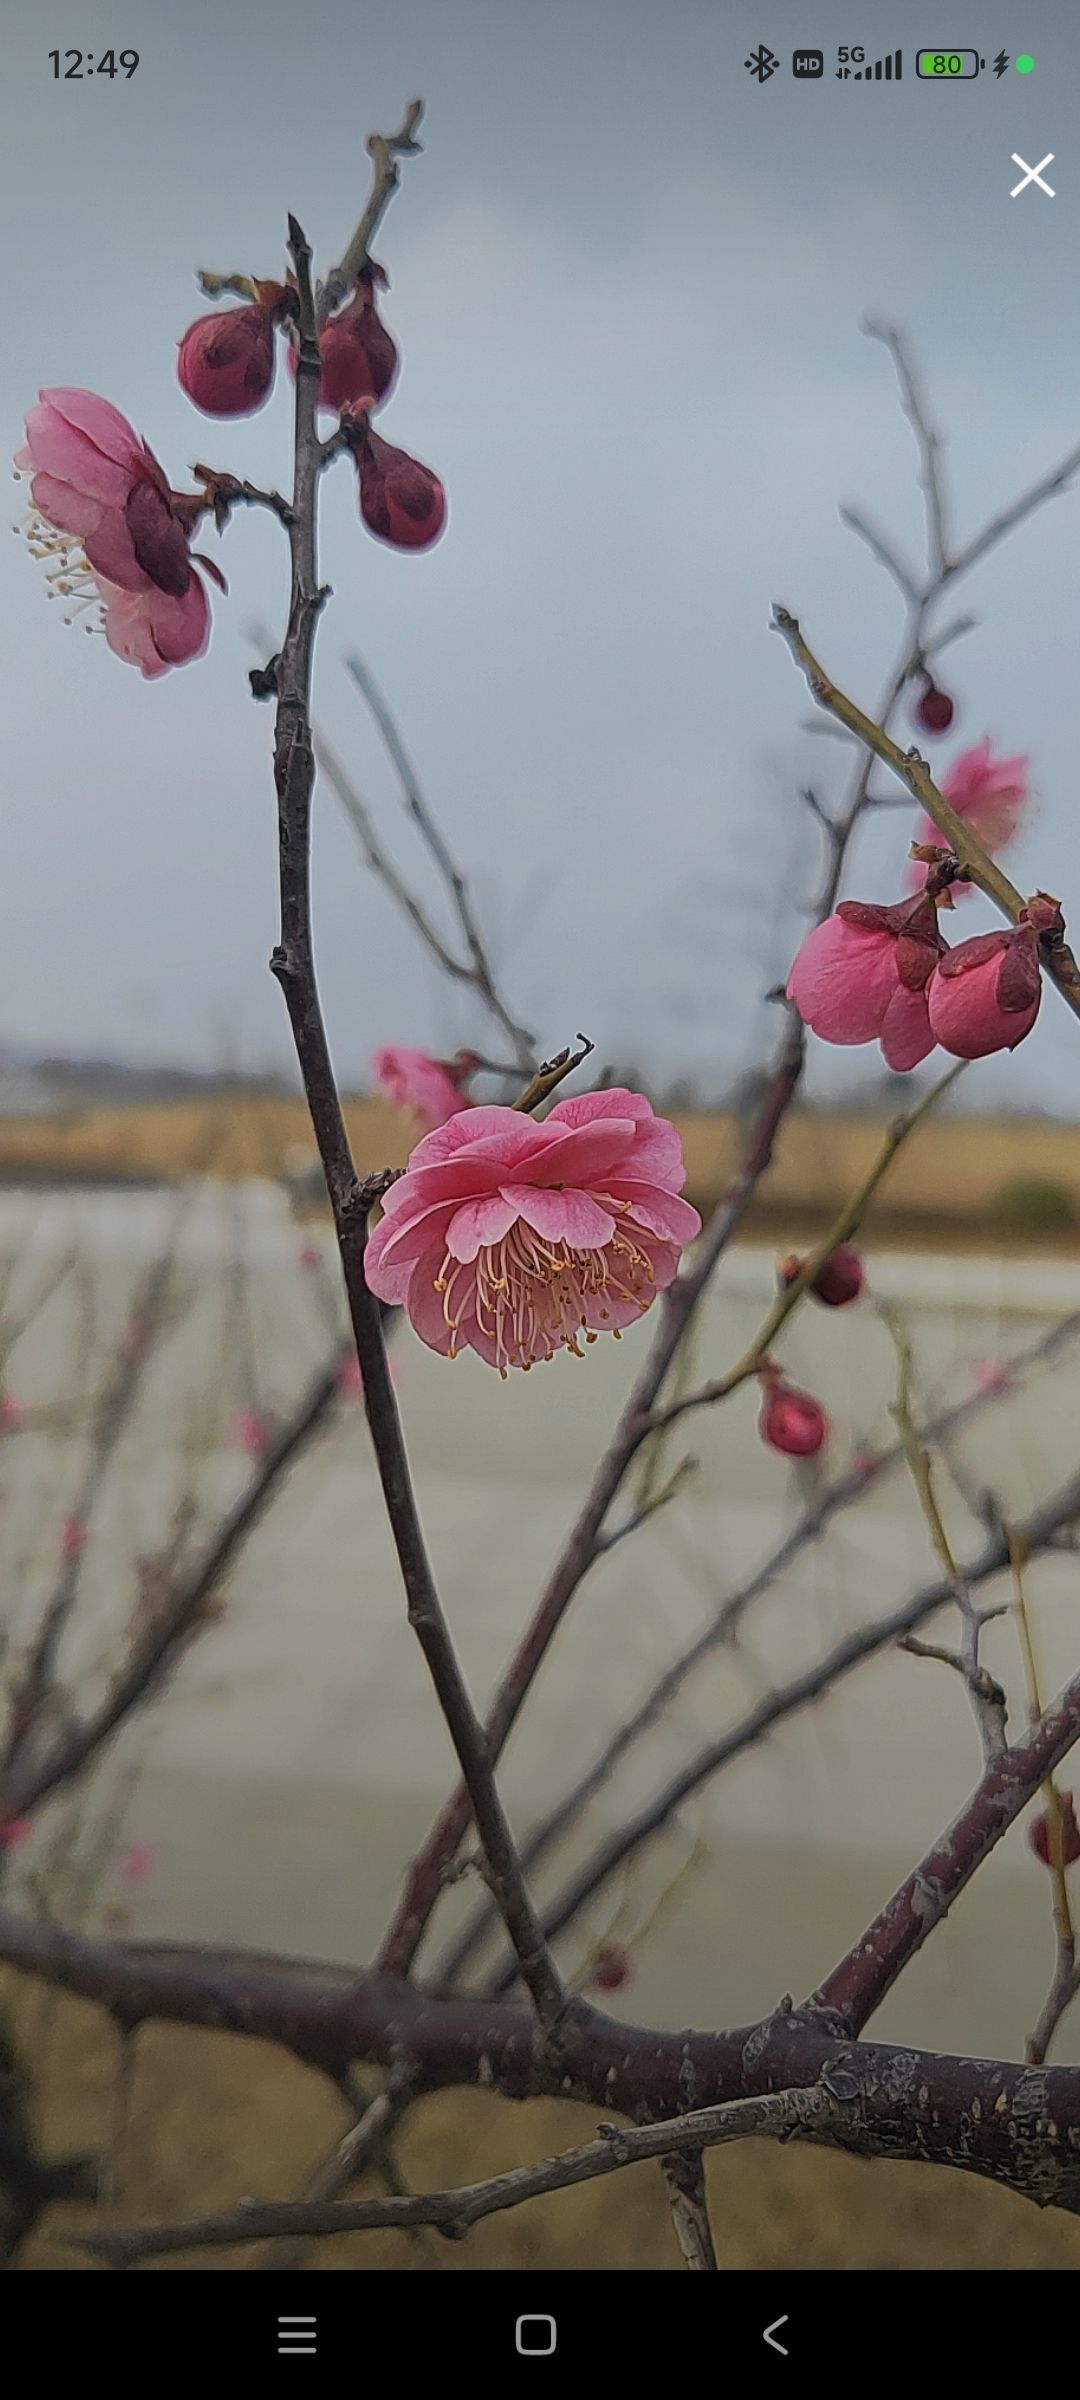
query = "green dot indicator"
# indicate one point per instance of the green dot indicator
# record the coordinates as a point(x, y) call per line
point(1025, 64)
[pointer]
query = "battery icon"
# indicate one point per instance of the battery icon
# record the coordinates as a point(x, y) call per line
point(947, 66)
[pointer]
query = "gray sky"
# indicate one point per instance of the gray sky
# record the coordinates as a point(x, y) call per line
point(627, 284)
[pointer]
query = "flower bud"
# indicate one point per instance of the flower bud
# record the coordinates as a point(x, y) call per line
point(933, 711)
point(401, 501)
point(839, 1279)
point(790, 1420)
point(1040, 1833)
point(359, 357)
point(226, 361)
point(984, 994)
point(612, 1967)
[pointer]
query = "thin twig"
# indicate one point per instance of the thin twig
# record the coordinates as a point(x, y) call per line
point(843, 1229)
point(1065, 1981)
point(634, 1832)
point(986, 1696)
point(454, 2212)
point(928, 442)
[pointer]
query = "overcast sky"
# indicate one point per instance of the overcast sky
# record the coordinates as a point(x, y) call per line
point(627, 285)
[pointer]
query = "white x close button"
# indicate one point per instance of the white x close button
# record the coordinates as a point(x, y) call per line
point(1032, 175)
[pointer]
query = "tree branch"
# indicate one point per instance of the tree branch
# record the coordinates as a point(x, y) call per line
point(293, 963)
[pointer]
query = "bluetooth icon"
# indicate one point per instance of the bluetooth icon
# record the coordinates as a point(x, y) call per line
point(761, 63)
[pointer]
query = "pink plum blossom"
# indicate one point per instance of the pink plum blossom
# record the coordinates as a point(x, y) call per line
point(113, 531)
point(790, 1420)
point(990, 794)
point(401, 501)
point(226, 359)
point(413, 1079)
point(984, 995)
point(515, 1239)
point(862, 976)
point(10, 1414)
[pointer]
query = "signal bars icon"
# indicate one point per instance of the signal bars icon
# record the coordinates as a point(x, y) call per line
point(884, 70)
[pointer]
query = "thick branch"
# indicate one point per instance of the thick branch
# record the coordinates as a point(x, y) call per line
point(1020, 2126)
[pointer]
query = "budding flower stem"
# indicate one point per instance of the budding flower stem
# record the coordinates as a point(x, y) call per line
point(842, 1230)
point(979, 867)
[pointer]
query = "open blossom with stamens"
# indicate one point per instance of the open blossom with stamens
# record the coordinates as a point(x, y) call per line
point(862, 976)
point(413, 1079)
point(985, 993)
point(226, 359)
point(517, 1239)
point(112, 532)
point(991, 794)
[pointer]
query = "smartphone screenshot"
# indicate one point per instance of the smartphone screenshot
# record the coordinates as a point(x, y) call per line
point(539, 1177)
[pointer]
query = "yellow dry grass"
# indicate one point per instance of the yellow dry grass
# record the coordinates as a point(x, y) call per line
point(950, 1174)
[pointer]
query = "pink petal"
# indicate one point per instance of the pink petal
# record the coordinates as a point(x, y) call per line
point(581, 1154)
point(480, 1222)
point(906, 1036)
point(58, 449)
point(426, 1305)
point(61, 505)
point(564, 1216)
point(111, 553)
point(842, 981)
point(127, 630)
point(588, 1108)
point(661, 1211)
point(401, 1238)
point(180, 627)
point(488, 1131)
point(96, 418)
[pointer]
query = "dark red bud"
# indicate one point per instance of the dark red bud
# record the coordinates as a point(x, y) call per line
point(790, 1420)
point(839, 1280)
point(612, 1968)
point(1040, 1838)
point(226, 362)
point(401, 501)
point(933, 710)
